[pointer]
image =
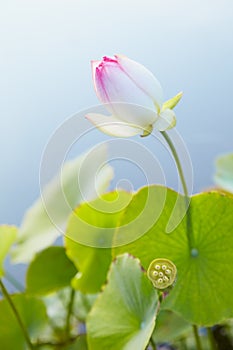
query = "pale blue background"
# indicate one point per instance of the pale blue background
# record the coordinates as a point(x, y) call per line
point(45, 76)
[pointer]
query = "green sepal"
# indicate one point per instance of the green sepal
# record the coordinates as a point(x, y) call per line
point(170, 104)
point(147, 131)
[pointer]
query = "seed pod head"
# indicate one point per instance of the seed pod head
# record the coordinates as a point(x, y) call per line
point(162, 273)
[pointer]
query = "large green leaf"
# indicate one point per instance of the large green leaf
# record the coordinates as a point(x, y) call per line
point(8, 236)
point(202, 293)
point(123, 316)
point(44, 221)
point(49, 271)
point(33, 314)
point(94, 223)
point(224, 172)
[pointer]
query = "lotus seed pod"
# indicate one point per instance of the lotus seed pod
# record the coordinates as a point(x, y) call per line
point(162, 273)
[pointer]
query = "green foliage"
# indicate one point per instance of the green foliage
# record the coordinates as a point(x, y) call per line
point(49, 271)
point(33, 314)
point(169, 327)
point(79, 344)
point(123, 316)
point(83, 304)
point(57, 304)
point(224, 172)
point(94, 223)
point(92, 264)
point(202, 293)
point(41, 223)
point(120, 311)
point(8, 236)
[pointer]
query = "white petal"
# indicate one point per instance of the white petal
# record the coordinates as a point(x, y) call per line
point(166, 120)
point(133, 114)
point(112, 126)
point(143, 78)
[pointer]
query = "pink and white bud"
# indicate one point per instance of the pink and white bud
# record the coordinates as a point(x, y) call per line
point(132, 95)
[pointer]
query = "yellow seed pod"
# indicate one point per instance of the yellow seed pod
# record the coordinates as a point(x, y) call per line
point(162, 273)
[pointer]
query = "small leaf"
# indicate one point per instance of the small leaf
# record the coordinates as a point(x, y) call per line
point(33, 314)
point(49, 271)
point(123, 316)
point(224, 172)
point(170, 104)
point(41, 224)
point(94, 224)
point(92, 263)
point(8, 236)
point(202, 293)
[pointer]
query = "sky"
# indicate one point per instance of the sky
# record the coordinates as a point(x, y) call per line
point(46, 48)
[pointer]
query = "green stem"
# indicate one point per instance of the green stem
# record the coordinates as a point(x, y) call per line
point(177, 160)
point(69, 313)
point(152, 343)
point(183, 344)
point(212, 342)
point(184, 185)
point(14, 282)
point(17, 316)
point(197, 338)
